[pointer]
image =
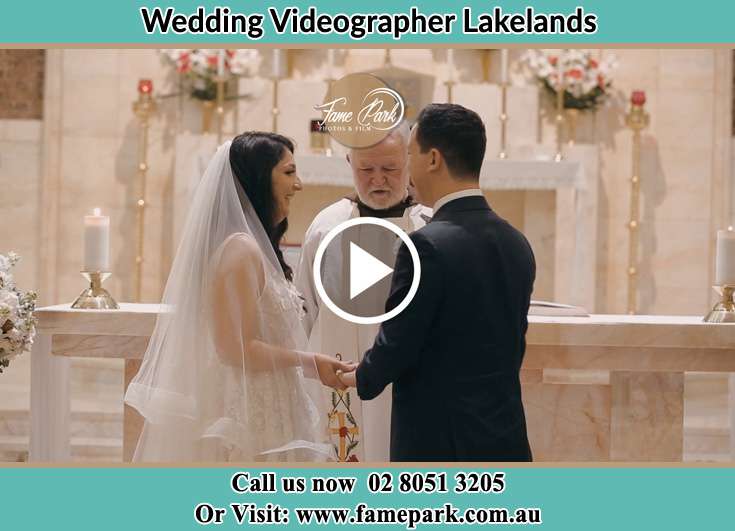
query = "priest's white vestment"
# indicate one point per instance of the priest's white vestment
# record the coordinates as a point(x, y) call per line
point(360, 430)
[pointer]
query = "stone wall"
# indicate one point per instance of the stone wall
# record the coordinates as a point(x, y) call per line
point(90, 134)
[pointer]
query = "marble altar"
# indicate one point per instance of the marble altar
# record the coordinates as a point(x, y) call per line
point(632, 410)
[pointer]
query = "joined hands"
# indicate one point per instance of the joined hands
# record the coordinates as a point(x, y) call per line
point(334, 372)
point(349, 379)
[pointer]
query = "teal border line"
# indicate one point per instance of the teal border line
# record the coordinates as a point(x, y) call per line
point(119, 22)
point(596, 498)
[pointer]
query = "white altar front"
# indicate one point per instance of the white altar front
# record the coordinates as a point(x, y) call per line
point(635, 412)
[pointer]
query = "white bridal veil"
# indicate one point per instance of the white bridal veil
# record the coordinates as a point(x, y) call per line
point(224, 376)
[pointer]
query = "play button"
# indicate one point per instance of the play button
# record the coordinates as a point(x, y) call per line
point(365, 270)
point(353, 269)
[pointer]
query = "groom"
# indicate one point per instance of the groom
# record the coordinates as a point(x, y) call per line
point(454, 354)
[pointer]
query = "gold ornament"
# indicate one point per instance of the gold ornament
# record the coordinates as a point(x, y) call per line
point(143, 108)
point(637, 119)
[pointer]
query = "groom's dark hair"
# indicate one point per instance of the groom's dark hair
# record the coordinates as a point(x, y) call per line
point(457, 133)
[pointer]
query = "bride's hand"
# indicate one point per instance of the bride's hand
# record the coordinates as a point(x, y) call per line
point(327, 368)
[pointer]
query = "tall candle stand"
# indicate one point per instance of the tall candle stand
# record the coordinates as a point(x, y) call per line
point(280, 59)
point(450, 90)
point(387, 59)
point(220, 81)
point(637, 119)
point(503, 120)
point(275, 110)
point(328, 140)
point(143, 108)
point(486, 64)
point(560, 121)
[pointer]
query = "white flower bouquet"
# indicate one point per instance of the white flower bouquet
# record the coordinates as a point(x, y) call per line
point(199, 67)
point(587, 81)
point(17, 324)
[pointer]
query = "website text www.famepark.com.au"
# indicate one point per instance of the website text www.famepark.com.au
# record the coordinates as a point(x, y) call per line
point(413, 516)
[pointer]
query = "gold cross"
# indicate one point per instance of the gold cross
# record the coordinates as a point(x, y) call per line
point(342, 438)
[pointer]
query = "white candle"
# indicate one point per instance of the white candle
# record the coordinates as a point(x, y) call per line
point(725, 261)
point(221, 63)
point(450, 64)
point(504, 66)
point(96, 242)
point(277, 63)
point(330, 64)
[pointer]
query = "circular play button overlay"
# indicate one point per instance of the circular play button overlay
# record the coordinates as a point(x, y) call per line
point(353, 268)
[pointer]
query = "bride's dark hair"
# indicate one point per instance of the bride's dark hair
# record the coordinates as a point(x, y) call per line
point(253, 155)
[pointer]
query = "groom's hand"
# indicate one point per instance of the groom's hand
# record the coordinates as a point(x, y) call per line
point(328, 368)
point(349, 379)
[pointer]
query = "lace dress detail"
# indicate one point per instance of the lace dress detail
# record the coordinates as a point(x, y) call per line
point(275, 408)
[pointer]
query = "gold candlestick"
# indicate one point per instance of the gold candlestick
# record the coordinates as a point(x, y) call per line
point(724, 310)
point(486, 63)
point(143, 109)
point(95, 297)
point(503, 119)
point(387, 60)
point(328, 138)
point(637, 119)
point(450, 92)
point(220, 110)
point(275, 110)
point(559, 121)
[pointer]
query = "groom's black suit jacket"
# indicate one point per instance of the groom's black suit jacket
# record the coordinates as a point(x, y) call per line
point(454, 354)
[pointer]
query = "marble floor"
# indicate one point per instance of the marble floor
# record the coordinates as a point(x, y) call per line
point(97, 387)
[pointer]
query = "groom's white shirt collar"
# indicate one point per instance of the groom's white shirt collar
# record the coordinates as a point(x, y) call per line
point(456, 195)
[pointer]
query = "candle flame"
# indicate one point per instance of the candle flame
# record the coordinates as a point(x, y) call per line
point(730, 228)
point(97, 212)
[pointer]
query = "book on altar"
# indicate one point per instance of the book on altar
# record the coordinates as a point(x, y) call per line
point(554, 309)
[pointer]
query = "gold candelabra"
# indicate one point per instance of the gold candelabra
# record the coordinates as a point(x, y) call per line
point(560, 121)
point(143, 108)
point(450, 90)
point(220, 80)
point(280, 69)
point(637, 119)
point(503, 120)
point(486, 63)
point(275, 110)
point(328, 138)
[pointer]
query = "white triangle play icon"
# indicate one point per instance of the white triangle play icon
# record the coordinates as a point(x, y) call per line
point(365, 270)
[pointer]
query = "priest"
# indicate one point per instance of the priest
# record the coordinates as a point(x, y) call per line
point(361, 430)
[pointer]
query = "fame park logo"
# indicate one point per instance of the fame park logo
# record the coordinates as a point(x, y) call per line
point(359, 110)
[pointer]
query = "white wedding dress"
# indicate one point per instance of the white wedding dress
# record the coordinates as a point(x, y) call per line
point(225, 376)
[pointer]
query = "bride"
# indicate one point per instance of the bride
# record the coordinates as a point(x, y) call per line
point(225, 376)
